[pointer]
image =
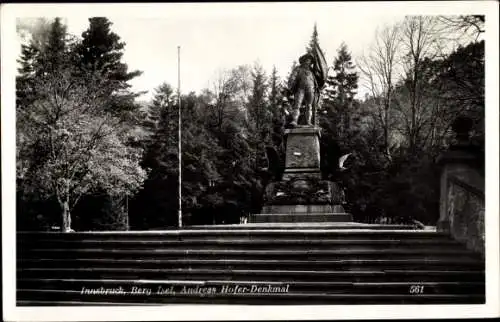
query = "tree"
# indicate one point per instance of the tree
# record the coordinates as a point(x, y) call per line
point(25, 80)
point(53, 57)
point(314, 39)
point(101, 51)
point(419, 41)
point(278, 114)
point(341, 88)
point(161, 156)
point(227, 101)
point(459, 79)
point(378, 67)
point(164, 101)
point(83, 144)
point(259, 114)
point(338, 111)
point(472, 25)
point(45, 54)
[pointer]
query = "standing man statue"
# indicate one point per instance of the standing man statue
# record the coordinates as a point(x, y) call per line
point(305, 83)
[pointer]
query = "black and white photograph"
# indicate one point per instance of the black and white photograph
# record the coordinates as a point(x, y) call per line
point(250, 160)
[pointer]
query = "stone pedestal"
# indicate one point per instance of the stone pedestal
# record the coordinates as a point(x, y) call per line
point(302, 153)
point(302, 196)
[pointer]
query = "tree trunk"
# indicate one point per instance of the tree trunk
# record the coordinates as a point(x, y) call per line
point(66, 220)
point(386, 124)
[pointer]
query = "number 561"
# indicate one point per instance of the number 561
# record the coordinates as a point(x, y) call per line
point(416, 289)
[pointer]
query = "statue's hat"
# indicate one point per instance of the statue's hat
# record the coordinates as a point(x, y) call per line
point(304, 57)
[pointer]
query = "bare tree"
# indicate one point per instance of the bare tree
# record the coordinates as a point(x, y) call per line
point(378, 68)
point(463, 26)
point(229, 95)
point(420, 42)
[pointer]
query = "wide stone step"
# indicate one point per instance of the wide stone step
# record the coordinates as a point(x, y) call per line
point(224, 253)
point(254, 298)
point(255, 274)
point(94, 287)
point(225, 242)
point(214, 232)
point(301, 218)
point(305, 225)
point(456, 263)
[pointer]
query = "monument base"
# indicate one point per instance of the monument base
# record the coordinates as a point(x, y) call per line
point(302, 195)
point(301, 209)
point(300, 217)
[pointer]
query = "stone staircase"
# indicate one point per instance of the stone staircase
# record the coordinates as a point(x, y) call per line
point(273, 264)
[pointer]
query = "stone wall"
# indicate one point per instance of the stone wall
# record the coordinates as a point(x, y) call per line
point(462, 202)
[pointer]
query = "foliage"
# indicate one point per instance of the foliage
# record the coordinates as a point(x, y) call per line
point(339, 111)
point(100, 51)
point(314, 42)
point(414, 109)
point(78, 154)
point(69, 144)
point(83, 145)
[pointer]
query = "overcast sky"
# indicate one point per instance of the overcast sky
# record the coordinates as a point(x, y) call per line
point(217, 36)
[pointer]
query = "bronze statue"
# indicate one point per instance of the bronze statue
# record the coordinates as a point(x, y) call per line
point(305, 83)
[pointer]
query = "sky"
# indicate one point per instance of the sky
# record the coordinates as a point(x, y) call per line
point(218, 36)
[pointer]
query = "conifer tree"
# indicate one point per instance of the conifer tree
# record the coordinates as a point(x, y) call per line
point(278, 115)
point(338, 110)
point(340, 92)
point(100, 53)
point(314, 39)
point(342, 86)
point(55, 54)
point(259, 113)
point(43, 56)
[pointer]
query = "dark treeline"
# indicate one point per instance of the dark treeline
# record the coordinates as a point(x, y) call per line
point(90, 156)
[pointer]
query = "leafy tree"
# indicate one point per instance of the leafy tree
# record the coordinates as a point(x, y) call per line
point(99, 55)
point(83, 144)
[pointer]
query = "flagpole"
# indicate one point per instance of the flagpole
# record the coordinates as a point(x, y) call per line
point(179, 214)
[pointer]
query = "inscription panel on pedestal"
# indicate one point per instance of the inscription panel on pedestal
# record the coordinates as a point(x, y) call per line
point(302, 151)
